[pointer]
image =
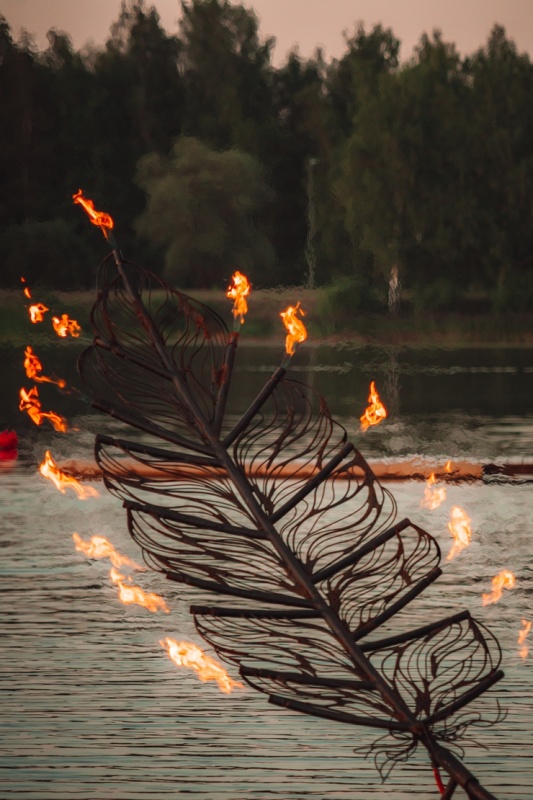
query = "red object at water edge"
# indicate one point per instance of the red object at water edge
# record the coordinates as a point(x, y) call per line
point(8, 445)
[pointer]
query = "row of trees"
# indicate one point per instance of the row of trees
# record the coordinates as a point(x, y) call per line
point(209, 159)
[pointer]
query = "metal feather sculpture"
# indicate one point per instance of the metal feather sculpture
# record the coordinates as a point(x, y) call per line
point(278, 513)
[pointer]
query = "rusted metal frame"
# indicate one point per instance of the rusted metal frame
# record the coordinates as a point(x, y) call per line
point(254, 613)
point(416, 633)
point(407, 720)
point(307, 680)
point(234, 591)
point(353, 557)
point(149, 427)
point(157, 452)
point(315, 481)
point(466, 698)
point(190, 519)
point(118, 351)
point(260, 399)
point(338, 716)
point(229, 361)
point(398, 605)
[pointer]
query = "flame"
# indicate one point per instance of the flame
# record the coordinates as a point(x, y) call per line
point(448, 467)
point(296, 332)
point(99, 218)
point(459, 527)
point(49, 469)
point(238, 292)
point(187, 654)
point(33, 366)
point(37, 312)
point(375, 412)
point(522, 635)
point(29, 402)
point(128, 593)
point(100, 547)
point(26, 289)
point(66, 327)
point(503, 580)
point(433, 496)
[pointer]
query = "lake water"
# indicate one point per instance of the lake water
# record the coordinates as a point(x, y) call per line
point(93, 709)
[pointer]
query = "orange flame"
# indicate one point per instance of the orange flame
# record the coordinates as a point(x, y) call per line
point(37, 312)
point(66, 327)
point(50, 470)
point(459, 527)
point(29, 402)
point(522, 636)
point(100, 547)
point(187, 654)
point(433, 495)
point(375, 412)
point(296, 332)
point(503, 580)
point(448, 467)
point(128, 593)
point(33, 367)
point(26, 289)
point(238, 292)
point(99, 218)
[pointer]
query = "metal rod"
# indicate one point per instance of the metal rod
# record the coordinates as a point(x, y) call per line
point(249, 594)
point(402, 638)
point(352, 558)
point(338, 716)
point(308, 680)
point(255, 613)
point(467, 697)
point(399, 604)
point(450, 790)
point(317, 479)
point(190, 519)
point(227, 371)
point(261, 398)
point(158, 452)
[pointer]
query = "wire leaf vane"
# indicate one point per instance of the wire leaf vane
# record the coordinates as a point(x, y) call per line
point(279, 516)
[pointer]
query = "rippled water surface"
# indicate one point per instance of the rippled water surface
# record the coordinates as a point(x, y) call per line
point(92, 708)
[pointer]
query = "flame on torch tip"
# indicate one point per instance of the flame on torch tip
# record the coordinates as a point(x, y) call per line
point(37, 312)
point(33, 367)
point(522, 636)
point(433, 495)
point(128, 594)
point(296, 332)
point(49, 469)
point(26, 289)
point(64, 326)
point(187, 654)
point(238, 292)
point(503, 580)
point(459, 527)
point(99, 218)
point(100, 547)
point(375, 412)
point(29, 402)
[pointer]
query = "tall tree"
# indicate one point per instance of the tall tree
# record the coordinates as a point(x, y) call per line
point(203, 209)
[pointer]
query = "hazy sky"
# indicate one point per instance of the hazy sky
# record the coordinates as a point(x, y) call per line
point(306, 23)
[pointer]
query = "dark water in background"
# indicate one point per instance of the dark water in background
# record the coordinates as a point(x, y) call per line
point(91, 706)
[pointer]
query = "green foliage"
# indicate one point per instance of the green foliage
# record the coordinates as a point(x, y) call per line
point(203, 208)
point(427, 165)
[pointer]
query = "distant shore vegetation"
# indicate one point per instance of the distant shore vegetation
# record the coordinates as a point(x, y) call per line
point(392, 187)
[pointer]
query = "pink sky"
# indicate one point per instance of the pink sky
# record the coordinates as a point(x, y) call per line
point(306, 23)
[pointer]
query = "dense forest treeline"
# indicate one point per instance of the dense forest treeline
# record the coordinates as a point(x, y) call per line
point(360, 174)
